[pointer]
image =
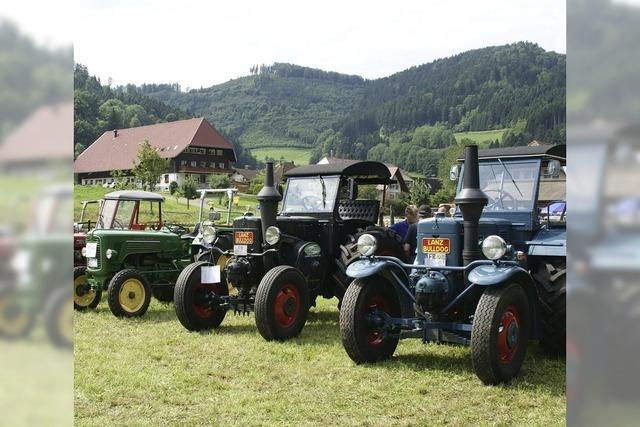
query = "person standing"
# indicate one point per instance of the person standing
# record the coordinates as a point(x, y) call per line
point(411, 216)
point(410, 241)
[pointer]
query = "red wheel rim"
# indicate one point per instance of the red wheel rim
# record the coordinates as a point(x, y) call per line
point(204, 311)
point(287, 305)
point(375, 336)
point(508, 334)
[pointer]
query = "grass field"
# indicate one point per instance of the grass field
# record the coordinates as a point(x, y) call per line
point(152, 371)
point(480, 137)
point(300, 156)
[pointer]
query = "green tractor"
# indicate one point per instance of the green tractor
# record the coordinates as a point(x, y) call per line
point(132, 254)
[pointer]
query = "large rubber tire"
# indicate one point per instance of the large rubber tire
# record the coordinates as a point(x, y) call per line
point(362, 342)
point(129, 294)
point(189, 292)
point(89, 300)
point(162, 293)
point(551, 285)
point(16, 321)
point(58, 318)
point(282, 303)
point(500, 333)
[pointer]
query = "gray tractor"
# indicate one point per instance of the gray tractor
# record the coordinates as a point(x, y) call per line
point(492, 276)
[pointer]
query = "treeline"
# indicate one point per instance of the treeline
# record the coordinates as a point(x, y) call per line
point(489, 88)
point(281, 69)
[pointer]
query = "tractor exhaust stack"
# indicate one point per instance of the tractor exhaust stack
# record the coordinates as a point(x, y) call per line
point(268, 198)
point(471, 201)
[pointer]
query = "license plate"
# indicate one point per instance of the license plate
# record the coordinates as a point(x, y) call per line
point(210, 274)
point(92, 248)
point(240, 249)
point(92, 262)
point(436, 246)
point(244, 238)
point(435, 260)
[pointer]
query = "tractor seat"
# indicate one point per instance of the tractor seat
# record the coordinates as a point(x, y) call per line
point(363, 210)
point(193, 234)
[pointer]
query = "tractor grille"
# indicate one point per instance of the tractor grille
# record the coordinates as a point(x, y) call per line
point(141, 246)
point(98, 253)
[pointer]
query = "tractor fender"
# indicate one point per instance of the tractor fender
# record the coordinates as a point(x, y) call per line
point(496, 275)
point(392, 271)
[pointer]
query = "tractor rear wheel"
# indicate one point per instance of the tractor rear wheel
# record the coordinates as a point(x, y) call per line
point(129, 294)
point(282, 303)
point(500, 333)
point(162, 293)
point(551, 283)
point(16, 321)
point(83, 296)
point(364, 341)
point(192, 299)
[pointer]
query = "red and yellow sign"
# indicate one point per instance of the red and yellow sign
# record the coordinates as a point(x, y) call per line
point(244, 237)
point(436, 246)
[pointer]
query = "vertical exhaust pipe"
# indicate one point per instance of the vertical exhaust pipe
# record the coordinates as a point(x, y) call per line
point(268, 197)
point(471, 201)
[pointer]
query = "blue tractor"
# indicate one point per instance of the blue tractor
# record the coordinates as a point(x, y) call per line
point(492, 276)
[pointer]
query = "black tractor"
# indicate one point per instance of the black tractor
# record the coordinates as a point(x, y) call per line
point(278, 264)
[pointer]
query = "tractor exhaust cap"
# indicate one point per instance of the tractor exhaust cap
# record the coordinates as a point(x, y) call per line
point(268, 197)
point(471, 201)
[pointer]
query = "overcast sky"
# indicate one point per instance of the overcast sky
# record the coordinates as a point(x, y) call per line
point(201, 43)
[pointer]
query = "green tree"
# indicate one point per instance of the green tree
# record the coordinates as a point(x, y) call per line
point(78, 149)
point(173, 187)
point(219, 181)
point(189, 189)
point(149, 166)
point(120, 180)
point(420, 192)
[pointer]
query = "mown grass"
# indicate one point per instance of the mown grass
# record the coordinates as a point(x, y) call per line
point(483, 138)
point(151, 371)
point(300, 156)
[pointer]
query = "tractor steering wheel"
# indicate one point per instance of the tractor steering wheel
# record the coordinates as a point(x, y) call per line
point(117, 223)
point(504, 200)
point(312, 203)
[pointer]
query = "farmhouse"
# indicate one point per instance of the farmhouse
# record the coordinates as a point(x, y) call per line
point(195, 148)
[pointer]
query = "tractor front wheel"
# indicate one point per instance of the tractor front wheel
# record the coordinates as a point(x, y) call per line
point(364, 339)
point(500, 333)
point(129, 294)
point(282, 303)
point(83, 296)
point(193, 299)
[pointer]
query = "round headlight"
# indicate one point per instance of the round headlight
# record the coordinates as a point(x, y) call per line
point(110, 253)
point(494, 247)
point(84, 251)
point(208, 234)
point(272, 235)
point(367, 244)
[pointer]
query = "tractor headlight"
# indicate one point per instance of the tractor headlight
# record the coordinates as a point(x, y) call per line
point(208, 234)
point(494, 247)
point(272, 235)
point(84, 251)
point(110, 253)
point(367, 244)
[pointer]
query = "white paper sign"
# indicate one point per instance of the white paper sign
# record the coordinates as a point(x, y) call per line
point(210, 274)
point(240, 249)
point(92, 248)
point(435, 260)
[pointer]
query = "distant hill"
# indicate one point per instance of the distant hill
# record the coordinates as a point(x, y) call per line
point(519, 87)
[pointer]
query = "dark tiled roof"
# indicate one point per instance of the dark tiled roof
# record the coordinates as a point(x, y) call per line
point(110, 152)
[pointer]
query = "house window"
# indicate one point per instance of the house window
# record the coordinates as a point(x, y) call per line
point(212, 151)
point(203, 164)
point(183, 163)
point(221, 165)
point(166, 179)
point(218, 152)
point(194, 163)
point(212, 165)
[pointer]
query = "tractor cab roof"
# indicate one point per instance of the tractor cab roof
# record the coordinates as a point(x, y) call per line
point(134, 195)
point(551, 151)
point(365, 172)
